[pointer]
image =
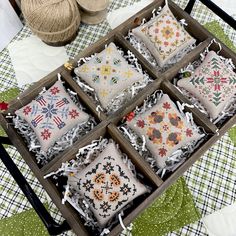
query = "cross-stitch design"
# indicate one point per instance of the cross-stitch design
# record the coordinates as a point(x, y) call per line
point(213, 83)
point(108, 73)
point(52, 114)
point(164, 36)
point(107, 184)
point(164, 129)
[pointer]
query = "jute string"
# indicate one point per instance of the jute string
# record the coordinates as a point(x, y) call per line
point(52, 20)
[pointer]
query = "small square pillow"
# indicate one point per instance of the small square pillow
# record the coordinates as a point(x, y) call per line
point(109, 74)
point(213, 83)
point(51, 115)
point(107, 184)
point(164, 36)
point(164, 129)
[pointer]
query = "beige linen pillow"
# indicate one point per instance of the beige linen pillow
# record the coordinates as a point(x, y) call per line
point(107, 184)
point(108, 73)
point(164, 36)
point(51, 115)
point(212, 83)
point(164, 128)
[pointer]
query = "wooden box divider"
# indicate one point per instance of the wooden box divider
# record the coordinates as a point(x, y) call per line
point(139, 162)
point(152, 71)
point(190, 57)
point(70, 153)
point(107, 124)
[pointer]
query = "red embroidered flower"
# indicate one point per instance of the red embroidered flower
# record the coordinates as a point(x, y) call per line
point(3, 106)
point(27, 110)
point(162, 152)
point(156, 30)
point(46, 134)
point(54, 90)
point(189, 132)
point(73, 113)
point(166, 43)
point(130, 116)
point(177, 34)
point(166, 105)
point(140, 123)
point(168, 22)
point(165, 127)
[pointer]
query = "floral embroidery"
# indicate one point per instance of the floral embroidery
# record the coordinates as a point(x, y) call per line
point(52, 114)
point(107, 184)
point(212, 83)
point(108, 73)
point(164, 128)
point(164, 36)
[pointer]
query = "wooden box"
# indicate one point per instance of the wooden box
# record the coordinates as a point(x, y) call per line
point(107, 125)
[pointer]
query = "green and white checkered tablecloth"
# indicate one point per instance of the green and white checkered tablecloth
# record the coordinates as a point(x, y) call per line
point(211, 180)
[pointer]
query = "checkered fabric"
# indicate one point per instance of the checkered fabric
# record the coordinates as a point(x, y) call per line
point(212, 180)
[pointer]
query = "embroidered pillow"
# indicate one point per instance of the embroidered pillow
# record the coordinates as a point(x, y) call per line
point(109, 74)
point(164, 129)
point(213, 83)
point(164, 36)
point(107, 184)
point(51, 115)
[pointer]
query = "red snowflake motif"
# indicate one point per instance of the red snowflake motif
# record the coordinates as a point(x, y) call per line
point(54, 90)
point(189, 132)
point(27, 110)
point(166, 105)
point(46, 134)
point(73, 113)
point(130, 116)
point(140, 123)
point(3, 106)
point(162, 152)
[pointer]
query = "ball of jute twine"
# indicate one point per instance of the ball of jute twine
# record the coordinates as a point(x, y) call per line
point(53, 21)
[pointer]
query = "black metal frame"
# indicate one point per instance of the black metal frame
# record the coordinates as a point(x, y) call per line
point(53, 227)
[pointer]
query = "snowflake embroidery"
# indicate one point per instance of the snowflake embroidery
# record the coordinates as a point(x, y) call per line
point(162, 152)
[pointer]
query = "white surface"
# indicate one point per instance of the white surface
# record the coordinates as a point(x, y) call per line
point(32, 59)
point(229, 6)
point(10, 24)
point(120, 15)
point(222, 223)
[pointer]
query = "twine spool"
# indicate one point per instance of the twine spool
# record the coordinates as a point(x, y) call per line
point(54, 21)
point(93, 11)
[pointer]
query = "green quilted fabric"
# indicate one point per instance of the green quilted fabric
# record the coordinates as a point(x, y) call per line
point(171, 211)
point(26, 223)
point(232, 135)
point(215, 28)
point(7, 96)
